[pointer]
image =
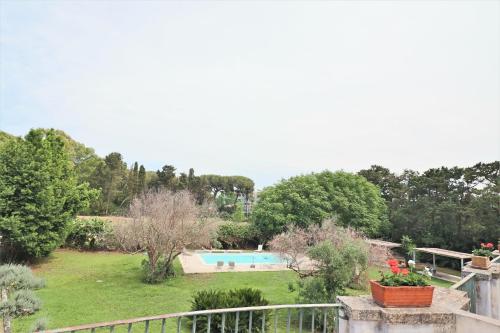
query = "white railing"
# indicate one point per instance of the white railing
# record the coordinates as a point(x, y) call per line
point(299, 318)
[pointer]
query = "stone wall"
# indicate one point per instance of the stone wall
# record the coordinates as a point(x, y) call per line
point(487, 290)
point(362, 315)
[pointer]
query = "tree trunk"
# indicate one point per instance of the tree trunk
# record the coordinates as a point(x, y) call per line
point(6, 318)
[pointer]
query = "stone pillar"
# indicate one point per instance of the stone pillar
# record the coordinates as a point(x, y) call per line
point(362, 315)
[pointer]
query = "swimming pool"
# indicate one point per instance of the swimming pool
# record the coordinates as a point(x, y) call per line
point(244, 258)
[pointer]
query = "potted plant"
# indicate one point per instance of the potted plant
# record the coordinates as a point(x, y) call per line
point(481, 256)
point(403, 287)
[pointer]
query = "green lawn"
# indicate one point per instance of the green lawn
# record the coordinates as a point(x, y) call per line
point(83, 287)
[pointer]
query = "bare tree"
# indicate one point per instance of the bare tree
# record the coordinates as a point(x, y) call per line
point(295, 244)
point(162, 223)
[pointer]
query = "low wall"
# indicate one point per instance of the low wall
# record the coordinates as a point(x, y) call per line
point(467, 322)
point(487, 289)
point(362, 315)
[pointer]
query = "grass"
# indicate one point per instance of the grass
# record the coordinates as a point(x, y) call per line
point(93, 287)
point(83, 287)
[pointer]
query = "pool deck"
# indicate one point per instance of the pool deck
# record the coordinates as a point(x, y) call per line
point(193, 264)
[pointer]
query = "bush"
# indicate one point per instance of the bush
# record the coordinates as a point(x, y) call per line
point(218, 299)
point(237, 235)
point(89, 234)
point(162, 271)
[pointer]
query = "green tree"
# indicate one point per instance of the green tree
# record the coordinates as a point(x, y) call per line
point(133, 182)
point(18, 299)
point(453, 208)
point(166, 177)
point(112, 179)
point(84, 158)
point(182, 182)
point(355, 202)
point(299, 201)
point(216, 184)
point(309, 199)
point(4, 137)
point(141, 179)
point(39, 194)
point(388, 183)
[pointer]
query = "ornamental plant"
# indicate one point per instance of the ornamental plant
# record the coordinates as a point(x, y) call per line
point(405, 276)
point(486, 250)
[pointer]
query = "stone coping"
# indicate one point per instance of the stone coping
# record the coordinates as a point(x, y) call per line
point(444, 303)
point(483, 274)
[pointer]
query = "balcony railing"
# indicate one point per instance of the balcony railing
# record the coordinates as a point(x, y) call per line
point(260, 319)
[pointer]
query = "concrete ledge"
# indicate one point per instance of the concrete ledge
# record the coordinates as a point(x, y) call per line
point(363, 315)
point(441, 311)
point(482, 274)
point(467, 322)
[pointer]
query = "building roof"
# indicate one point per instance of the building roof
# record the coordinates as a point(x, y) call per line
point(444, 253)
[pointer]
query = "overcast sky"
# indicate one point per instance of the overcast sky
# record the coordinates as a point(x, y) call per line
point(262, 89)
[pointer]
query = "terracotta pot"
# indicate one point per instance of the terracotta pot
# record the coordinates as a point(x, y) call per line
point(401, 297)
point(481, 262)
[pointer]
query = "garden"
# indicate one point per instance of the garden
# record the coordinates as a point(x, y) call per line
point(86, 287)
point(91, 269)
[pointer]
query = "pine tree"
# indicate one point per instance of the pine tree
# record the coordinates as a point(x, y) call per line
point(142, 179)
point(135, 173)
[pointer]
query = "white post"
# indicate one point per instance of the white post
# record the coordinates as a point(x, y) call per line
point(434, 261)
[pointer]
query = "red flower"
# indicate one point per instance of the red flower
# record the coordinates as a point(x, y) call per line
point(392, 262)
point(395, 269)
point(489, 245)
point(404, 271)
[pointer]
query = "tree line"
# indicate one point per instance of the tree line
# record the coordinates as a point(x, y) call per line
point(118, 183)
point(452, 208)
point(46, 179)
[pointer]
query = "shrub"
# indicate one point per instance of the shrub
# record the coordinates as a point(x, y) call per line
point(162, 271)
point(89, 234)
point(17, 283)
point(218, 299)
point(338, 259)
point(237, 235)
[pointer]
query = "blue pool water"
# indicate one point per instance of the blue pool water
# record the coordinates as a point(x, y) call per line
point(241, 258)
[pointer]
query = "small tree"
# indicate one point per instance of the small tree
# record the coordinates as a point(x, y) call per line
point(327, 259)
point(408, 247)
point(163, 224)
point(18, 299)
